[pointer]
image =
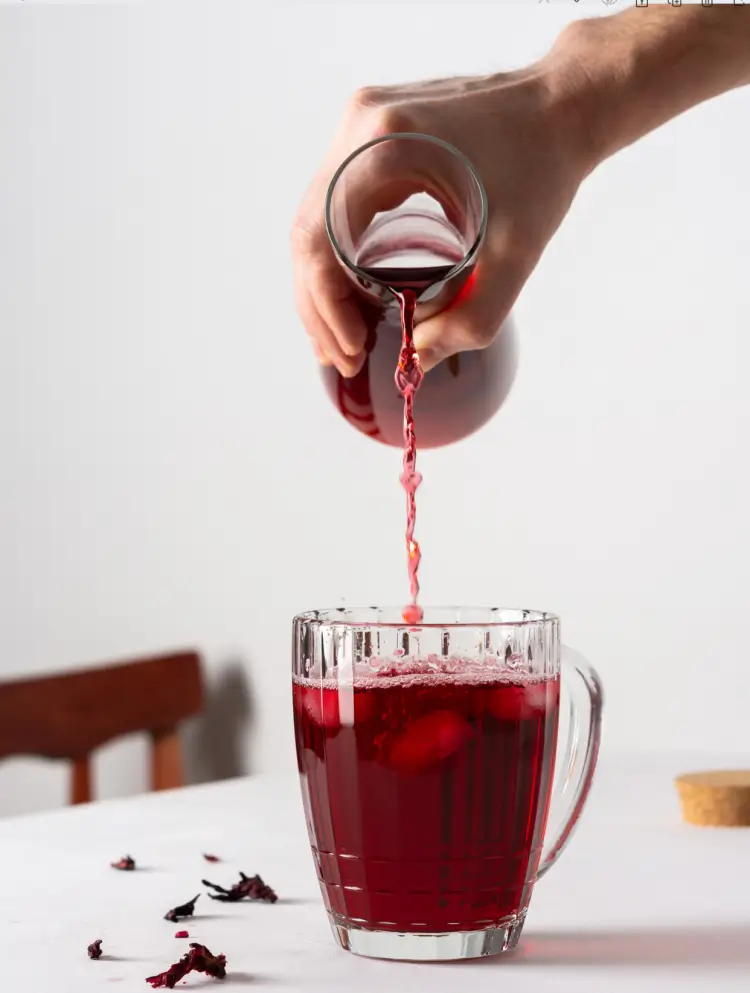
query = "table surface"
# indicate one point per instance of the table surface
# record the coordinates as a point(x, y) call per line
point(638, 900)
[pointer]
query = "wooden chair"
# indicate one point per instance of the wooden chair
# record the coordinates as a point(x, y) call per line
point(68, 716)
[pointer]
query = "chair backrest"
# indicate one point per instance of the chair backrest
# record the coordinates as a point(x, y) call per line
point(68, 716)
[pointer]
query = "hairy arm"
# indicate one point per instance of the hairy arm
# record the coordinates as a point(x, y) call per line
point(630, 73)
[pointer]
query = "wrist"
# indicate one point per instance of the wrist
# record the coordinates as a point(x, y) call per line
point(582, 88)
point(619, 77)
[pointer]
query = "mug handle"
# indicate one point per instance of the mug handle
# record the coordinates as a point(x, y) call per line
point(574, 779)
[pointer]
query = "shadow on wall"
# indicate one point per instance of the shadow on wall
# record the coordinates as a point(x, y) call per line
point(216, 747)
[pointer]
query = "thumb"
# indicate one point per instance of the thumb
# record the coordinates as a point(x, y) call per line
point(476, 315)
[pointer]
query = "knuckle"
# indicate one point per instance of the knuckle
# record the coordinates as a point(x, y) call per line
point(515, 242)
point(392, 119)
point(378, 115)
point(483, 335)
point(321, 281)
point(303, 236)
point(524, 249)
point(366, 97)
point(476, 329)
point(475, 334)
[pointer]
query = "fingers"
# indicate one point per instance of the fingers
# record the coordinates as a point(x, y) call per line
point(477, 314)
point(334, 297)
point(379, 181)
point(320, 355)
point(326, 299)
point(325, 344)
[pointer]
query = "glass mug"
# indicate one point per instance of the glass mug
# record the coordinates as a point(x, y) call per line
point(427, 235)
point(426, 757)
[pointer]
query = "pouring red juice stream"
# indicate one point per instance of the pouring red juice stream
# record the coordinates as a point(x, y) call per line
point(407, 284)
point(408, 377)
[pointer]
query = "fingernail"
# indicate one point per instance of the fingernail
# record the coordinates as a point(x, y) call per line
point(349, 367)
point(320, 355)
point(352, 350)
point(350, 329)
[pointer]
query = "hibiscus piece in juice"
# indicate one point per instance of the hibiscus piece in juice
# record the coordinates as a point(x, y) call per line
point(426, 795)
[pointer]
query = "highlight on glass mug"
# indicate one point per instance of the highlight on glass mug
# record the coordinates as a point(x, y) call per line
point(427, 763)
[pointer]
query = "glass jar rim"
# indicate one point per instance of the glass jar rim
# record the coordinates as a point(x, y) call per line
point(469, 255)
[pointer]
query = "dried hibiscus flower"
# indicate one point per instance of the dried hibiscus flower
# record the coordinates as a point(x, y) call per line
point(198, 959)
point(248, 888)
point(126, 864)
point(184, 910)
point(95, 949)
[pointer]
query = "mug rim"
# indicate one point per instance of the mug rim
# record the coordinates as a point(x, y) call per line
point(485, 617)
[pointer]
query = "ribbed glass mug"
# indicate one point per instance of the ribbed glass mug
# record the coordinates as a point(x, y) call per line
point(426, 756)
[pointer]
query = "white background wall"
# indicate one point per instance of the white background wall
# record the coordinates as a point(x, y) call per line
point(172, 473)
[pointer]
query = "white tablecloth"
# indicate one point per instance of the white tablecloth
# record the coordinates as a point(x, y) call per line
point(638, 901)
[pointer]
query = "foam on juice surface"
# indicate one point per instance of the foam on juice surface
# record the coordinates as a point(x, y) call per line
point(431, 670)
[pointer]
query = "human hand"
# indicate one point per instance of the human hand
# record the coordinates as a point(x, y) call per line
point(525, 132)
point(532, 135)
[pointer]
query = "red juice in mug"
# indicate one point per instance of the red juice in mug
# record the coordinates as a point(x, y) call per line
point(426, 793)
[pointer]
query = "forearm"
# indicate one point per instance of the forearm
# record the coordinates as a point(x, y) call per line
point(629, 73)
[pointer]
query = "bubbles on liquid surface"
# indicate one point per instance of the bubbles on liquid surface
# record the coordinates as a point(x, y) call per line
point(406, 670)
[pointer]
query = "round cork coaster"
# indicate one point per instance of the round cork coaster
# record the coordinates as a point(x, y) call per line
point(715, 799)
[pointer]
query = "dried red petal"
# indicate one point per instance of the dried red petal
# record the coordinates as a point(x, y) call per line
point(182, 934)
point(184, 910)
point(95, 949)
point(249, 887)
point(126, 864)
point(211, 858)
point(198, 959)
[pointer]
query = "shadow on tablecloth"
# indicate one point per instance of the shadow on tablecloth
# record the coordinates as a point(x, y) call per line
point(693, 947)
